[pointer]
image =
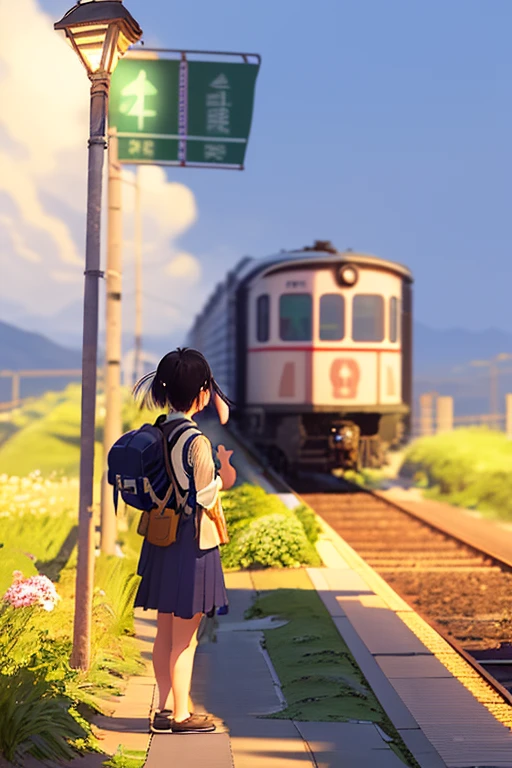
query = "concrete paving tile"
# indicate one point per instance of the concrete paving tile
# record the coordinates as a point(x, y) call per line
point(231, 677)
point(344, 581)
point(380, 628)
point(412, 666)
point(191, 750)
point(397, 711)
point(350, 737)
point(241, 595)
point(289, 500)
point(317, 576)
point(261, 727)
point(374, 759)
point(331, 602)
point(421, 748)
point(123, 724)
point(269, 753)
point(457, 725)
point(331, 558)
point(110, 741)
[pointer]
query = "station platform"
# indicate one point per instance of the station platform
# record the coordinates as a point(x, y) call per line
point(444, 712)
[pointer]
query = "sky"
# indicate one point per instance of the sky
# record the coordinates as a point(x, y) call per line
point(383, 126)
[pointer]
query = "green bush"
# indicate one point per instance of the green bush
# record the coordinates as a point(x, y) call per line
point(271, 541)
point(286, 535)
point(309, 522)
point(467, 467)
point(245, 503)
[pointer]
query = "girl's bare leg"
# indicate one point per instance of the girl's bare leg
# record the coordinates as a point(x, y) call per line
point(162, 658)
point(184, 644)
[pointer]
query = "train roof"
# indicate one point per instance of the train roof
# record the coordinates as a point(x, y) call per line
point(322, 252)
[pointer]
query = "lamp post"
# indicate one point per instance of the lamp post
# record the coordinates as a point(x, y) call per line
point(100, 31)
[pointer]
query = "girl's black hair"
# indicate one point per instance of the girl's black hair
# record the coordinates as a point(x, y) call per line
point(179, 378)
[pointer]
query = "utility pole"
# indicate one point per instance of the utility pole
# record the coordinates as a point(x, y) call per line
point(492, 364)
point(494, 402)
point(113, 419)
point(137, 363)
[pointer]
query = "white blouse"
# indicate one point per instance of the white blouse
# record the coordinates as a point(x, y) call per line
point(207, 485)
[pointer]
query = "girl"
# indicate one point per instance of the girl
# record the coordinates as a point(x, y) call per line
point(184, 581)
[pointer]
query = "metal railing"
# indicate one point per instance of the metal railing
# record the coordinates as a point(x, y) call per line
point(496, 421)
point(16, 377)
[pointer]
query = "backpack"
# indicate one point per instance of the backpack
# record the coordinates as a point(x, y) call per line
point(139, 466)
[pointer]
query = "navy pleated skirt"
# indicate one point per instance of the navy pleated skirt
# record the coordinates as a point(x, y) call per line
point(181, 578)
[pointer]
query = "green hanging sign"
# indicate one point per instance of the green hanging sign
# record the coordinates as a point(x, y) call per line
point(180, 112)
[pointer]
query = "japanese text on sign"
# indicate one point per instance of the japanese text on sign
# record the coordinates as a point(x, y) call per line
point(182, 112)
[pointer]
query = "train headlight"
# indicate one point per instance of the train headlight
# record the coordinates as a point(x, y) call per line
point(347, 275)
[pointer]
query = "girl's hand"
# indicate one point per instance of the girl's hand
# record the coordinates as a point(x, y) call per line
point(226, 471)
point(222, 409)
point(223, 454)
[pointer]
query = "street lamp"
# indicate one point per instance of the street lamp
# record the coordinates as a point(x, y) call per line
point(100, 31)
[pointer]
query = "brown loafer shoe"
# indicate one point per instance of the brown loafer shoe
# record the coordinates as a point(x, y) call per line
point(194, 724)
point(162, 722)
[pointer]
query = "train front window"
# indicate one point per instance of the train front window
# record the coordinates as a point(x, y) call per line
point(295, 317)
point(332, 317)
point(393, 319)
point(263, 317)
point(368, 318)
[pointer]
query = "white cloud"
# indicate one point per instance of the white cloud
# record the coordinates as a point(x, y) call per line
point(184, 266)
point(43, 166)
point(17, 240)
point(66, 277)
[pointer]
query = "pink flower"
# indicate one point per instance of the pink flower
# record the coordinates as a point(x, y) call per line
point(36, 590)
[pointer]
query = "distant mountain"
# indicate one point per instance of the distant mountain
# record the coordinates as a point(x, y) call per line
point(22, 349)
point(65, 328)
point(442, 350)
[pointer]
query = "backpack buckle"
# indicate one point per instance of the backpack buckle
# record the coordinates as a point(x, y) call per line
point(129, 484)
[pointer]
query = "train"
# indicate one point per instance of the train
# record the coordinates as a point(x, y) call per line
point(314, 346)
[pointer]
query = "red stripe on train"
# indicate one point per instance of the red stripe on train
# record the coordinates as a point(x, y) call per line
point(323, 349)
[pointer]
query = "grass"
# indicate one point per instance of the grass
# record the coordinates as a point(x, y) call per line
point(319, 677)
point(126, 759)
point(37, 517)
point(44, 434)
point(467, 467)
point(47, 437)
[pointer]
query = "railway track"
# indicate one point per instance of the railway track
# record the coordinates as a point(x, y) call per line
point(463, 592)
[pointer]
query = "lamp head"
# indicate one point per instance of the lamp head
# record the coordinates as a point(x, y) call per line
point(100, 31)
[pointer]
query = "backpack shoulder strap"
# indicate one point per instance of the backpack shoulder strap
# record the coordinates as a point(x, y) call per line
point(173, 432)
